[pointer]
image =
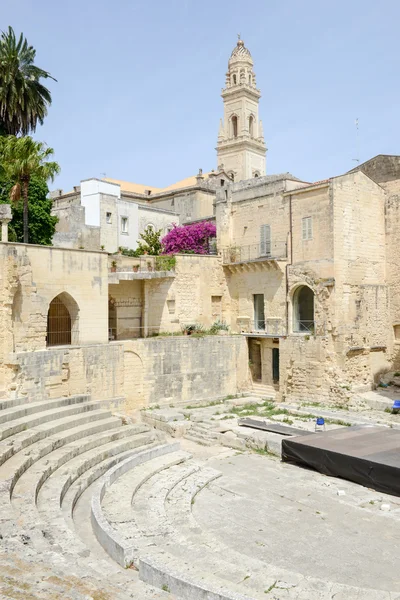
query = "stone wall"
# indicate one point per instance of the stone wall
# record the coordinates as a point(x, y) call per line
point(31, 277)
point(160, 370)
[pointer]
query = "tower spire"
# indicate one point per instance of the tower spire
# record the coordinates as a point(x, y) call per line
point(240, 143)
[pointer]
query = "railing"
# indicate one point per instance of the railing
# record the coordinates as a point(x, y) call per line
point(268, 251)
point(141, 264)
point(304, 327)
point(269, 327)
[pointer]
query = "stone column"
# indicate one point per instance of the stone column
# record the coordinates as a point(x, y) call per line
point(4, 230)
point(5, 218)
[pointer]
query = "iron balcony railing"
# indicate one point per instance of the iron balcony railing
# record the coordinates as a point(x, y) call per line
point(270, 327)
point(304, 327)
point(267, 251)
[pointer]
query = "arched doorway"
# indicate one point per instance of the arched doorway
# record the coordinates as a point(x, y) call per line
point(62, 321)
point(303, 310)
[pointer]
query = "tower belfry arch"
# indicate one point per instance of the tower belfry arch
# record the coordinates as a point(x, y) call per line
point(241, 147)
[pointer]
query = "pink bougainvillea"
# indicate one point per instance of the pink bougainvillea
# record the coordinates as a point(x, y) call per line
point(190, 239)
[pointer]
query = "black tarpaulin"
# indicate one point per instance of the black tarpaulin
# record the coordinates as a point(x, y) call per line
point(369, 456)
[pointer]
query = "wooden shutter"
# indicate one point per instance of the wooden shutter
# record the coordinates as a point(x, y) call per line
point(309, 228)
point(265, 240)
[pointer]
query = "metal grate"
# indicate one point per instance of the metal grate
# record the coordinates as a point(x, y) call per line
point(58, 324)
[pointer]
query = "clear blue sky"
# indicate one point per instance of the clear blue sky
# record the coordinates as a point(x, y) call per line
point(138, 92)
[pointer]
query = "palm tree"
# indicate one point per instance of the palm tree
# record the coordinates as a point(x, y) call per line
point(23, 99)
point(20, 159)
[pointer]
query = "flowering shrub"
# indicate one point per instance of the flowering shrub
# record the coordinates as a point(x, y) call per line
point(189, 239)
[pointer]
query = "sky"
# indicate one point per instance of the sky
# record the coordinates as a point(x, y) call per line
point(138, 86)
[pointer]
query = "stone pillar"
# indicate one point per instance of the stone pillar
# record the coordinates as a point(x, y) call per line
point(4, 230)
point(5, 218)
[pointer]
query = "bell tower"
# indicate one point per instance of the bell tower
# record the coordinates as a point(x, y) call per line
point(241, 148)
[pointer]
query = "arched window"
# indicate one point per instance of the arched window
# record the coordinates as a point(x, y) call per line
point(234, 126)
point(234, 80)
point(251, 126)
point(250, 79)
point(256, 174)
point(303, 310)
point(231, 176)
point(62, 321)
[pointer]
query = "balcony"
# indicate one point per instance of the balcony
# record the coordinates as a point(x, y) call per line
point(271, 251)
point(126, 268)
point(272, 327)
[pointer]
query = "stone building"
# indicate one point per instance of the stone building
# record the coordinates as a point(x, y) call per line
point(307, 278)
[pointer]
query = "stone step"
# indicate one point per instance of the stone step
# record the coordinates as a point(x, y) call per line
point(10, 402)
point(18, 442)
point(117, 500)
point(199, 440)
point(77, 457)
point(17, 412)
point(55, 501)
point(13, 469)
point(115, 544)
point(24, 423)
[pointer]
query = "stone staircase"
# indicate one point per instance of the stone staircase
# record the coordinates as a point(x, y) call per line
point(51, 452)
point(263, 391)
point(205, 433)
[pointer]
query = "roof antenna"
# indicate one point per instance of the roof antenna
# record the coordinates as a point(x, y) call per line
point(357, 160)
point(104, 175)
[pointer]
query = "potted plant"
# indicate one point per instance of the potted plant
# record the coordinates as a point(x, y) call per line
point(113, 266)
point(102, 247)
point(149, 266)
point(135, 268)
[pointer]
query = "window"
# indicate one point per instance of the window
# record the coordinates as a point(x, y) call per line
point(124, 224)
point(307, 228)
point(234, 79)
point(396, 331)
point(222, 182)
point(265, 240)
point(108, 217)
point(234, 126)
point(249, 79)
point(259, 317)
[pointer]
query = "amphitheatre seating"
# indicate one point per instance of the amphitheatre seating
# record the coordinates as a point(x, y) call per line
point(134, 494)
point(47, 448)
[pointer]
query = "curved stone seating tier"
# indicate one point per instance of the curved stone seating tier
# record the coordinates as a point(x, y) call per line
point(145, 516)
point(49, 454)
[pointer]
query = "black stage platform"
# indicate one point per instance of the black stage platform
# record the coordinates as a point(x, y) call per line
point(367, 455)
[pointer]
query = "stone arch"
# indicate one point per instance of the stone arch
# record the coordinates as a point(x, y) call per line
point(133, 380)
point(303, 309)
point(62, 321)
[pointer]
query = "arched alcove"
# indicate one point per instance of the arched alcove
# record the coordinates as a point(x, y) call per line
point(234, 126)
point(251, 126)
point(303, 310)
point(62, 321)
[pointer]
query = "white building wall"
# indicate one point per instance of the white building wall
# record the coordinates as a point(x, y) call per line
point(130, 211)
point(90, 198)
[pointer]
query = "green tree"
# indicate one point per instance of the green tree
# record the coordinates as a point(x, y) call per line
point(23, 98)
point(42, 224)
point(21, 159)
point(150, 242)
